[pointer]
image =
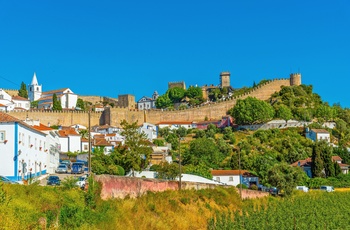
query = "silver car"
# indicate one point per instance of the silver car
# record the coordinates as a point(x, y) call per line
point(62, 169)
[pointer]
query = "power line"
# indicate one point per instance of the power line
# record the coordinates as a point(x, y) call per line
point(9, 81)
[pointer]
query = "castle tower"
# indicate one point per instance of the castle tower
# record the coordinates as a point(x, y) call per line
point(295, 79)
point(225, 79)
point(34, 89)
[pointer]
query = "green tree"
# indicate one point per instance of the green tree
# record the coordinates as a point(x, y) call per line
point(285, 177)
point(168, 171)
point(214, 94)
point(200, 170)
point(317, 162)
point(34, 104)
point(251, 110)
point(283, 112)
point(138, 149)
point(56, 104)
point(163, 102)
point(22, 92)
point(194, 92)
point(175, 94)
point(80, 104)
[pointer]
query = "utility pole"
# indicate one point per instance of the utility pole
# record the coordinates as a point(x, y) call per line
point(180, 163)
point(89, 113)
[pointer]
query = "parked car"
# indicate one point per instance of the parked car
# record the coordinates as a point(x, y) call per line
point(77, 168)
point(62, 168)
point(327, 188)
point(82, 181)
point(274, 191)
point(302, 188)
point(68, 163)
point(6, 180)
point(53, 180)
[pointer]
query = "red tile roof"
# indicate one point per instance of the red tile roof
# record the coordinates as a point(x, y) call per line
point(18, 98)
point(68, 132)
point(55, 91)
point(228, 172)
point(319, 130)
point(336, 158)
point(7, 118)
point(302, 162)
point(42, 127)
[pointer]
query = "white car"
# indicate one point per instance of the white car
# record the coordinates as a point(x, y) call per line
point(81, 181)
point(303, 188)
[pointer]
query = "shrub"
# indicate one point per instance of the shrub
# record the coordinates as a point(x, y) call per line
point(254, 187)
point(243, 186)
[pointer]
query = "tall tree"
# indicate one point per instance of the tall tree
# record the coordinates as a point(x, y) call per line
point(251, 110)
point(80, 104)
point(56, 104)
point(285, 177)
point(317, 162)
point(137, 146)
point(176, 94)
point(22, 92)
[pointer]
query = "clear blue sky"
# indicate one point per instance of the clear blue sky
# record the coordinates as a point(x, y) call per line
point(108, 48)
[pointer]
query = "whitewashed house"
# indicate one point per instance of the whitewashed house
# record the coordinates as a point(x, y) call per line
point(318, 134)
point(146, 103)
point(52, 145)
point(22, 149)
point(70, 140)
point(173, 125)
point(6, 103)
point(21, 103)
point(235, 177)
point(150, 130)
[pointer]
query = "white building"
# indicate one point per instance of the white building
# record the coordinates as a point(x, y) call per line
point(22, 149)
point(318, 134)
point(66, 96)
point(34, 89)
point(70, 140)
point(173, 125)
point(21, 103)
point(146, 103)
point(150, 130)
point(6, 103)
point(52, 144)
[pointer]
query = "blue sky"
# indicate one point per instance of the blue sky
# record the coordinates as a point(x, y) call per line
point(108, 48)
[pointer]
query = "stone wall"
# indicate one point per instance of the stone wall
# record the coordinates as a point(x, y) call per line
point(64, 118)
point(213, 111)
point(120, 187)
point(92, 99)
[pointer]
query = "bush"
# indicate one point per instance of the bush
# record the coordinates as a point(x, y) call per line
point(243, 186)
point(254, 187)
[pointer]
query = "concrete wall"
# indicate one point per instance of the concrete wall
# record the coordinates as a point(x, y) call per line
point(213, 111)
point(120, 187)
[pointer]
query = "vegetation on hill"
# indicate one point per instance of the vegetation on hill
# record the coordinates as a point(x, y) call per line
point(313, 210)
point(193, 96)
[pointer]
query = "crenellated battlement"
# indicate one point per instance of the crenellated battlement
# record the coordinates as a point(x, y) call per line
point(114, 116)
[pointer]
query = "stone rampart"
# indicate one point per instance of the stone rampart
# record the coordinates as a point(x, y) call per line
point(213, 111)
point(121, 187)
point(64, 118)
point(92, 99)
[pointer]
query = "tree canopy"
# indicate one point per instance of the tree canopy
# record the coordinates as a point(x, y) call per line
point(22, 92)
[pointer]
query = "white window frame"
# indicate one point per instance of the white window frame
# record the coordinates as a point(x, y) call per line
point(2, 136)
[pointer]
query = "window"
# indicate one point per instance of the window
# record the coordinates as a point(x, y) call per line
point(230, 178)
point(29, 141)
point(218, 179)
point(85, 147)
point(23, 139)
point(2, 136)
point(1, 96)
point(36, 144)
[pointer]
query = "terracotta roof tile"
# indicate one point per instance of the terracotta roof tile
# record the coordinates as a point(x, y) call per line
point(55, 91)
point(42, 127)
point(7, 118)
point(306, 161)
point(175, 123)
point(228, 172)
point(319, 130)
point(68, 132)
point(18, 98)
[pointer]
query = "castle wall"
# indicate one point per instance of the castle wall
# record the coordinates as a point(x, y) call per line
point(11, 92)
point(92, 99)
point(213, 111)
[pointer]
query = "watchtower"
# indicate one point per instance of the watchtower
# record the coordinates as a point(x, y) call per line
point(295, 79)
point(225, 79)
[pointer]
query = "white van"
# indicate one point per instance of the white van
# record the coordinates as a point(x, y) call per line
point(303, 188)
point(327, 188)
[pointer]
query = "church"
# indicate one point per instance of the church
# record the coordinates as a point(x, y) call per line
point(66, 96)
